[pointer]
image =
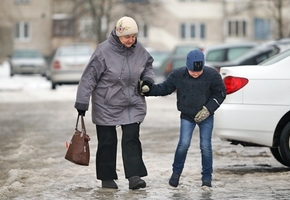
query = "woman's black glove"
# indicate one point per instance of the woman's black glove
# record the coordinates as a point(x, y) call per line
point(145, 86)
point(81, 112)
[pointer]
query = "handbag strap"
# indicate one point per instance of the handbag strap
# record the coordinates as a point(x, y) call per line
point(82, 124)
point(78, 117)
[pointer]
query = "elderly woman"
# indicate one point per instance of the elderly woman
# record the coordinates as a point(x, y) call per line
point(112, 80)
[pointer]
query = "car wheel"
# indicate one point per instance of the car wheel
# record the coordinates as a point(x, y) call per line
point(285, 144)
point(276, 153)
point(53, 86)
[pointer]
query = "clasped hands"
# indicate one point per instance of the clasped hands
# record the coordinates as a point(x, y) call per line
point(145, 86)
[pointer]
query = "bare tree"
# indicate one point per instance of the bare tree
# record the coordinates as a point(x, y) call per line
point(100, 11)
point(6, 40)
point(279, 10)
point(275, 10)
point(104, 12)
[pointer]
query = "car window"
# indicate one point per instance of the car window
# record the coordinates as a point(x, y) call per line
point(183, 50)
point(247, 57)
point(276, 58)
point(159, 56)
point(73, 51)
point(221, 55)
point(260, 57)
point(215, 55)
point(177, 63)
point(26, 54)
point(236, 52)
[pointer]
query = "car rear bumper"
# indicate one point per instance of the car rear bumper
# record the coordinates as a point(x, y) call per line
point(254, 124)
point(28, 70)
point(65, 77)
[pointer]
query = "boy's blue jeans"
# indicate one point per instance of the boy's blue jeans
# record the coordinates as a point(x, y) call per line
point(186, 131)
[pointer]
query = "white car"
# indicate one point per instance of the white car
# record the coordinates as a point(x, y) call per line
point(256, 111)
point(27, 61)
point(68, 64)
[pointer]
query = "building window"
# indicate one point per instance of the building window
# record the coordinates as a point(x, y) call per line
point(261, 28)
point(21, 1)
point(63, 25)
point(193, 31)
point(22, 31)
point(182, 31)
point(136, 1)
point(190, 0)
point(202, 31)
point(237, 28)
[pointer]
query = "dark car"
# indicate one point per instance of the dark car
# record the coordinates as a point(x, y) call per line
point(159, 57)
point(177, 58)
point(172, 63)
point(257, 54)
point(183, 49)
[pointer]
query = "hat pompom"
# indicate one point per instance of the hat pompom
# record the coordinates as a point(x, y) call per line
point(126, 26)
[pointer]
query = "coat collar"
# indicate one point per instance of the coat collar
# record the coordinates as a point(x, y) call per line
point(117, 45)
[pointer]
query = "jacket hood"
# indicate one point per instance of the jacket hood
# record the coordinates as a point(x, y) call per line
point(116, 43)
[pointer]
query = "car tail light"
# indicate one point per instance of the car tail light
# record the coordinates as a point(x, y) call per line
point(234, 84)
point(168, 68)
point(56, 65)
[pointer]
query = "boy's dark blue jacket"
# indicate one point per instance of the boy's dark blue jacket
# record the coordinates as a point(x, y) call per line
point(192, 93)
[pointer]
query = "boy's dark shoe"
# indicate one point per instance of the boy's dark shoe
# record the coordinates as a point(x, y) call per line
point(206, 183)
point(174, 179)
point(135, 182)
point(109, 184)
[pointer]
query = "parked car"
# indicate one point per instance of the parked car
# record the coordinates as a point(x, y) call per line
point(27, 61)
point(68, 64)
point(177, 58)
point(159, 57)
point(257, 54)
point(256, 111)
point(220, 53)
point(172, 63)
point(183, 49)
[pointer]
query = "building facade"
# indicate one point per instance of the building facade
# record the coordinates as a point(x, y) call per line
point(48, 24)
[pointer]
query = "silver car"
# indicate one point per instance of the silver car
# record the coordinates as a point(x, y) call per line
point(68, 64)
point(218, 54)
point(27, 61)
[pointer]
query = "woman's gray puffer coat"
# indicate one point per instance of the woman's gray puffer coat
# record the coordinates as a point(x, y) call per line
point(111, 79)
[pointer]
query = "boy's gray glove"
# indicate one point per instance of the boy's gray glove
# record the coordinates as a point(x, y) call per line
point(145, 86)
point(201, 115)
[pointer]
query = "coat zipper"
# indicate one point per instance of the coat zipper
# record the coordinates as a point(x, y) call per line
point(128, 88)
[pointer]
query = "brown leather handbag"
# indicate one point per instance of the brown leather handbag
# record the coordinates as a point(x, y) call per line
point(78, 150)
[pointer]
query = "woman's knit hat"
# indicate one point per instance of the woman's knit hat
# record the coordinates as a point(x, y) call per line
point(126, 26)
